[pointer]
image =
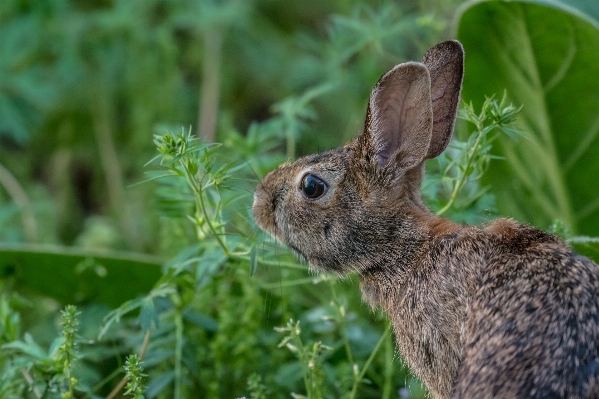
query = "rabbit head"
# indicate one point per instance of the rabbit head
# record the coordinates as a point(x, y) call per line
point(358, 207)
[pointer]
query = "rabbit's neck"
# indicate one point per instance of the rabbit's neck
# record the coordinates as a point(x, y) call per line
point(426, 300)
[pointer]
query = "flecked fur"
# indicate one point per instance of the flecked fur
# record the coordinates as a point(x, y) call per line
point(499, 311)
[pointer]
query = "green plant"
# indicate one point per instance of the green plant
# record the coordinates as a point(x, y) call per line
point(134, 377)
point(456, 185)
point(257, 389)
point(551, 175)
point(310, 359)
point(87, 82)
point(44, 373)
point(68, 354)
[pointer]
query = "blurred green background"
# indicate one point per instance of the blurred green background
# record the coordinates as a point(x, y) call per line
point(84, 86)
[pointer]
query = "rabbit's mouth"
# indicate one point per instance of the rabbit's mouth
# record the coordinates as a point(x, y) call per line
point(296, 250)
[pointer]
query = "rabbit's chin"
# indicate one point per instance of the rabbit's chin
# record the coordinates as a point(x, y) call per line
point(299, 253)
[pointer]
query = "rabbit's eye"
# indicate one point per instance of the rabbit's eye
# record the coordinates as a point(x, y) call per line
point(313, 187)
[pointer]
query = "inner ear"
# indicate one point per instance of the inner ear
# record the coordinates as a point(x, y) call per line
point(445, 63)
point(399, 118)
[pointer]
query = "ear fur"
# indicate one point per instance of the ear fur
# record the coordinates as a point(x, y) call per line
point(445, 63)
point(399, 117)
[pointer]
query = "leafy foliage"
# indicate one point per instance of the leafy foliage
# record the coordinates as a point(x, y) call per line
point(89, 82)
point(552, 174)
point(135, 376)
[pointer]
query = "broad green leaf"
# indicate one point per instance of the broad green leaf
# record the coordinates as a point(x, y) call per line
point(588, 7)
point(587, 246)
point(545, 55)
point(72, 276)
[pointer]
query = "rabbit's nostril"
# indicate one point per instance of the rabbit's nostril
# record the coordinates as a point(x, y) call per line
point(259, 195)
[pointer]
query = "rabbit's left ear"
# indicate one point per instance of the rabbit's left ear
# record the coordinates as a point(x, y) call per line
point(399, 118)
point(445, 63)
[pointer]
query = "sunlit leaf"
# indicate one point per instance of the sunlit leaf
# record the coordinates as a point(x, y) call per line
point(544, 54)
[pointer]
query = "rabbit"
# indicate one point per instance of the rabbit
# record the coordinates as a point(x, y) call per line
point(502, 310)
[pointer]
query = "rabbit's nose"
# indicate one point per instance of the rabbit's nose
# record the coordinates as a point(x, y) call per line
point(262, 214)
point(259, 196)
point(256, 199)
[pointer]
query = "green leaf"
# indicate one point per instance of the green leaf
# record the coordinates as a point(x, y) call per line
point(29, 347)
point(159, 383)
point(544, 54)
point(148, 314)
point(71, 276)
point(200, 319)
point(587, 246)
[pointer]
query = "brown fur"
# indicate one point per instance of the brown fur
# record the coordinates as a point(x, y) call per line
point(503, 311)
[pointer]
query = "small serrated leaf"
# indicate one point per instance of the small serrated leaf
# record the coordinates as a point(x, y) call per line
point(148, 314)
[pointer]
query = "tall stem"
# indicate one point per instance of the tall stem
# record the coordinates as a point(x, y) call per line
point(341, 322)
point(113, 172)
point(367, 364)
point(200, 197)
point(463, 178)
point(387, 387)
point(18, 195)
point(178, 352)
point(208, 110)
point(123, 382)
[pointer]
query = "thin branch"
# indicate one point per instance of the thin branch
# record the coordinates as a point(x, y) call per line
point(18, 195)
point(208, 110)
point(113, 173)
point(36, 391)
point(178, 353)
point(360, 377)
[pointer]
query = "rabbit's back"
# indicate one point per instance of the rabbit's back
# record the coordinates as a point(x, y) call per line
point(532, 326)
point(506, 311)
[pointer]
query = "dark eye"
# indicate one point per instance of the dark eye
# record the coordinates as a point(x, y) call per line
point(313, 187)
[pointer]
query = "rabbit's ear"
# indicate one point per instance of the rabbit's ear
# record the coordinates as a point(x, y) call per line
point(399, 117)
point(445, 63)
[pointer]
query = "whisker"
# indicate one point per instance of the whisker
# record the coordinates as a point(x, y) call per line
point(268, 297)
point(280, 272)
point(236, 211)
point(253, 171)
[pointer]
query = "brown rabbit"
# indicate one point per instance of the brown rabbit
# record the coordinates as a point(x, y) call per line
point(502, 311)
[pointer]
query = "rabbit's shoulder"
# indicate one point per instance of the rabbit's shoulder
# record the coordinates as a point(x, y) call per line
point(536, 308)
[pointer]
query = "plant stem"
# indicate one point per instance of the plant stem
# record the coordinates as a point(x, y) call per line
point(290, 283)
point(266, 262)
point(18, 195)
point(123, 382)
point(178, 352)
point(202, 205)
point(341, 322)
point(208, 112)
point(113, 173)
point(69, 379)
point(388, 366)
point(30, 381)
point(464, 176)
point(100, 384)
point(367, 364)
